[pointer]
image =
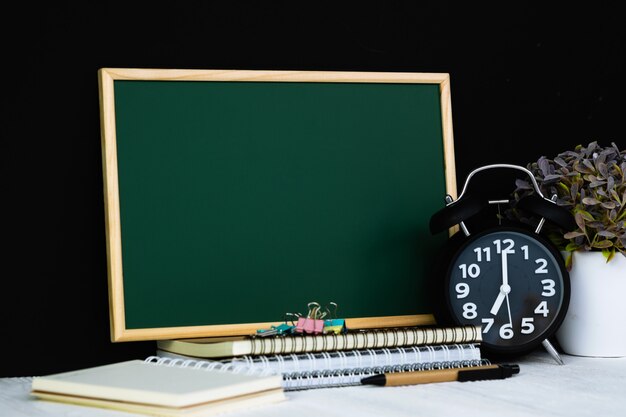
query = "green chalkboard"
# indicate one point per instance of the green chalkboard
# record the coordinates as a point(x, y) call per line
point(235, 197)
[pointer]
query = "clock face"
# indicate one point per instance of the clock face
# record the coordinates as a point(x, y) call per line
point(511, 283)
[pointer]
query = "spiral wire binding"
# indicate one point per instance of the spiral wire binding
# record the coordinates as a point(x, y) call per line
point(352, 366)
point(212, 365)
point(377, 337)
point(352, 376)
point(361, 358)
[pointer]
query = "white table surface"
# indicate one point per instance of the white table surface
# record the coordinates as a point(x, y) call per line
point(582, 387)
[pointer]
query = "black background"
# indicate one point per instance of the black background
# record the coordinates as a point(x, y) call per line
point(526, 81)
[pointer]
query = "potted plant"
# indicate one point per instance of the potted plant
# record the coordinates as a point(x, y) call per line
point(590, 182)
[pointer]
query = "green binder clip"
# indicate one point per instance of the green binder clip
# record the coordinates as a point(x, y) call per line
point(282, 329)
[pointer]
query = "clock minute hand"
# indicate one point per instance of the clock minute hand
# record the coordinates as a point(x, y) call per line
point(505, 288)
point(505, 271)
point(508, 307)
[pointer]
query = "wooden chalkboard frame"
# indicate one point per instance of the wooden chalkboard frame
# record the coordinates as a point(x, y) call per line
point(107, 77)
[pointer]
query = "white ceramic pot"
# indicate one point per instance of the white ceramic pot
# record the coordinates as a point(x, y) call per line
point(595, 323)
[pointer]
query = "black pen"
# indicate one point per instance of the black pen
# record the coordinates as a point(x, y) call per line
point(475, 373)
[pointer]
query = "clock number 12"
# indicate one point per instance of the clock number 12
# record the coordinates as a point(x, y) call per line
point(501, 243)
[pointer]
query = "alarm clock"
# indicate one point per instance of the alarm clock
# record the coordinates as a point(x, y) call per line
point(509, 279)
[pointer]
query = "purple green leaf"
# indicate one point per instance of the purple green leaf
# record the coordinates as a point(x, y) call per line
point(589, 165)
point(609, 205)
point(560, 161)
point(610, 183)
point(571, 235)
point(606, 233)
point(590, 201)
point(602, 244)
point(544, 166)
point(523, 184)
point(585, 215)
point(608, 254)
point(551, 177)
point(580, 221)
point(568, 261)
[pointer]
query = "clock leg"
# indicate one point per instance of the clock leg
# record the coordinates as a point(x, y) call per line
point(552, 351)
point(449, 200)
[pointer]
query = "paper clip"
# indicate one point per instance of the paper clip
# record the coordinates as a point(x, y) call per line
point(334, 325)
point(312, 323)
point(267, 332)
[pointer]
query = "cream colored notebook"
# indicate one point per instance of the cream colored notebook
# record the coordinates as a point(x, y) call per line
point(370, 339)
point(149, 388)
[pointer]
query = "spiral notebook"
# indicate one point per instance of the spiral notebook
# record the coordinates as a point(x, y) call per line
point(339, 368)
point(146, 387)
point(370, 339)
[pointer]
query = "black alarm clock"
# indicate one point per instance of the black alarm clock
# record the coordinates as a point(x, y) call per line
point(510, 280)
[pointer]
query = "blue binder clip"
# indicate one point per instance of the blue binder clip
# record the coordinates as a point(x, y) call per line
point(334, 325)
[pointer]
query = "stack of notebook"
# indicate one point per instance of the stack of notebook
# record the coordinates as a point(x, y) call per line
point(330, 360)
point(201, 377)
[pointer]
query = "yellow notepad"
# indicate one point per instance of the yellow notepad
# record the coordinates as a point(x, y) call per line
point(149, 388)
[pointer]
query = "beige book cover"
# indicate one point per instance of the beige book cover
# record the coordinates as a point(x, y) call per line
point(150, 388)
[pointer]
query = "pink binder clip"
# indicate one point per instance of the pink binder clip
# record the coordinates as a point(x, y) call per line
point(312, 323)
point(309, 325)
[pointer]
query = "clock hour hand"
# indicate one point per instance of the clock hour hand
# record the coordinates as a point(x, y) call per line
point(496, 306)
point(504, 288)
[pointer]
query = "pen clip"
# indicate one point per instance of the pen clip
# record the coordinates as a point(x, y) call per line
point(488, 372)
